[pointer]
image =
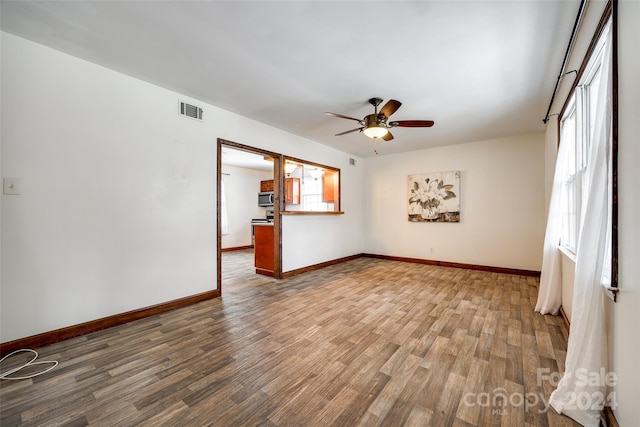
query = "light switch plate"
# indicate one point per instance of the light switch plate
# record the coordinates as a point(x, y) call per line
point(11, 186)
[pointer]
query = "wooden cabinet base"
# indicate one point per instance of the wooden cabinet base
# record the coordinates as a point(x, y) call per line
point(263, 249)
point(264, 272)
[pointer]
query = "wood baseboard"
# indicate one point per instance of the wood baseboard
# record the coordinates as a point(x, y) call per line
point(237, 248)
point(57, 335)
point(565, 318)
point(609, 418)
point(292, 273)
point(502, 270)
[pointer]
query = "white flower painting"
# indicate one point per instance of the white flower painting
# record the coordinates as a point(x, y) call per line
point(434, 197)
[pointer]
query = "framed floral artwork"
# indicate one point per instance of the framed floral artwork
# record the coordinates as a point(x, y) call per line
point(434, 197)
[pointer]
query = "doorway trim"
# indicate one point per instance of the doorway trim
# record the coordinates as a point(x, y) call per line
point(278, 160)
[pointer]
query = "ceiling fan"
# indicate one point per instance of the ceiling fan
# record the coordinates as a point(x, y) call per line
point(377, 125)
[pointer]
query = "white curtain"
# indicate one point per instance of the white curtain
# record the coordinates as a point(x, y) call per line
point(550, 291)
point(224, 216)
point(587, 347)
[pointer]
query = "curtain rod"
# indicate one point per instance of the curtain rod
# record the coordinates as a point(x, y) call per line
point(572, 40)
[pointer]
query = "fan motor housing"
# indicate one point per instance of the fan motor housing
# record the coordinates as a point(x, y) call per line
point(371, 120)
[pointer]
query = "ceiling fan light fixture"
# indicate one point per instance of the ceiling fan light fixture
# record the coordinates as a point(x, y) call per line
point(375, 132)
point(377, 125)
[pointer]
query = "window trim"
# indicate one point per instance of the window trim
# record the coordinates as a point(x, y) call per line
point(610, 13)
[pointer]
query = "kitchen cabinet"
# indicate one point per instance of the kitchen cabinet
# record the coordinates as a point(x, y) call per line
point(263, 249)
point(292, 191)
point(266, 185)
point(330, 187)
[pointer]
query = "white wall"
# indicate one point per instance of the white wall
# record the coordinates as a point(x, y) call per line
point(242, 186)
point(501, 204)
point(334, 236)
point(117, 210)
point(117, 193)
point(550, 154)
point(624, 338)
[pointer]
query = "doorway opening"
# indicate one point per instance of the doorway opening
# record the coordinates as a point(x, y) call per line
point(240, 172)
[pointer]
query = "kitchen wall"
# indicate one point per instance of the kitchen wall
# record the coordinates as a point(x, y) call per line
point(242, 186)
point(117, 209)
point(501, 202)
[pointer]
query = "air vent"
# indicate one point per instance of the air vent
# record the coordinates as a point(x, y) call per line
point(190, 111)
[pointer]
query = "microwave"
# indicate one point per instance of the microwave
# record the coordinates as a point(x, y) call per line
point(265, 198)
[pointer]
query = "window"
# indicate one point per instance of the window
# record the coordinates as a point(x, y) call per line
point(570, 199)
point(577, 127)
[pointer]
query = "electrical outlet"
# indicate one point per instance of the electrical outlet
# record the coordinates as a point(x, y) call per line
point(433, 250)
point(11, 186)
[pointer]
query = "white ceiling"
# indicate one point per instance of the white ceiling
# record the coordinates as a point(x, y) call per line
point(479, 69)
point(244, 159)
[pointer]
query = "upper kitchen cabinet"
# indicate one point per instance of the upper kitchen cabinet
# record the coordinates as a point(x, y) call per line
point(266, 185)
point(292, 191)
point(330, 193)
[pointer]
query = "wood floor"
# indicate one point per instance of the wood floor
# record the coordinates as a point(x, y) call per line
point(364, 343)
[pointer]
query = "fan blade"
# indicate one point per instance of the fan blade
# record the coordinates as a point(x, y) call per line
point(412, 123)
point(390, 107)
point(342, 117)
point(388, 137)
point(348, 131)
